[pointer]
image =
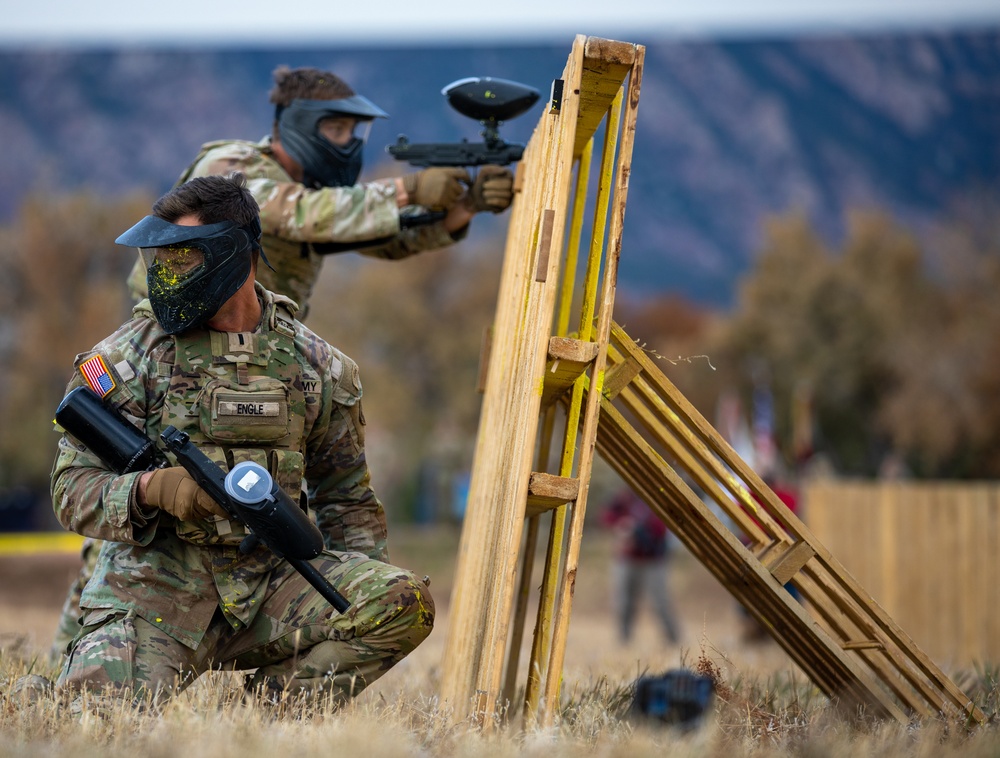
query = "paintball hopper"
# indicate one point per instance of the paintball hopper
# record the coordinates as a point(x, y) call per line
point(125, 448)
point(490, 100)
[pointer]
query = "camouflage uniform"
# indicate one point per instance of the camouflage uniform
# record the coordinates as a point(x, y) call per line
point(170, 599)
point(301, 224)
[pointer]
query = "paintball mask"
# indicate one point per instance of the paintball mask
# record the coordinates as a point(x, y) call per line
point(192, 270)
point(324, 163)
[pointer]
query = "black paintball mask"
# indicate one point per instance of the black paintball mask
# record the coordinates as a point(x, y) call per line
point(192, 270)
point(324, 163)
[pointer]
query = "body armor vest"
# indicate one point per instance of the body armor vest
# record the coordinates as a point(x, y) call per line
point(239, 398)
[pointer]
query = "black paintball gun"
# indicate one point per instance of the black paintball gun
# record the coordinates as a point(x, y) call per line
point(489, 101)
point(247, 493)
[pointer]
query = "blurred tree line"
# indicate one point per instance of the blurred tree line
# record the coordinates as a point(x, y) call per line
point(62, 292)
point(891, 340)
point(885, 349)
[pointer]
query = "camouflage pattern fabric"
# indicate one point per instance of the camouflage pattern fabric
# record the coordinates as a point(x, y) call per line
point(296, 641)
point(69, 618)
point(184, 579)
point(294, 221)
point(297, 221)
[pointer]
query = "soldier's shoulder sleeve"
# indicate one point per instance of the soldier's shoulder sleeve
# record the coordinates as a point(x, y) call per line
point(347, 383)
point(338, 373)
point(120, 367)
point(225, 157)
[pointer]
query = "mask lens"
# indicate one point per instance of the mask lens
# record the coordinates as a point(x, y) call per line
point(176, 262)
point(362, 130)
point(337, 130)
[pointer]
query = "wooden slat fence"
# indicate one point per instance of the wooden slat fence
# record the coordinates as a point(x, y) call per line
point(929, 554)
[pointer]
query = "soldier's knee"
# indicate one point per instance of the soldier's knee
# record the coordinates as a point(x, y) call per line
point(119, 651)
point(407, 604)
point(103, 655)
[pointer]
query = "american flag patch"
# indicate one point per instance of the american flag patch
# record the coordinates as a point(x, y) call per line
point(95, 371)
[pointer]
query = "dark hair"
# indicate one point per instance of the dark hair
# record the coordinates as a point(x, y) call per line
point(307, 84)
point(212, 199)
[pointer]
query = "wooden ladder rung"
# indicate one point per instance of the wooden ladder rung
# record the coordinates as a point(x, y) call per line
point(567, 359)
point(548, 491)
point(785, 564)
point(862, 645)
point(618, 377)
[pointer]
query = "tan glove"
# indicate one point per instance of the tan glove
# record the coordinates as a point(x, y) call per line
point(493, 190)
point(437, 188)
point(176, 492)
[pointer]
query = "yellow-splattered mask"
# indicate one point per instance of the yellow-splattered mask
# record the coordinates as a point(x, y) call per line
point(192, 270)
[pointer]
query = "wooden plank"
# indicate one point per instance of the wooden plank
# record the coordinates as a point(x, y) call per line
point(548, 491)
point(617, 153)
point(544, 245)
point(485, 346)
point(568, 359)
point(908, 650)
point(991, 526)
point(790, 562)
point(890, 512)
point(482, 600)
point(606, 64)
point(625, 450)
point(863, 645)
point(619, 377)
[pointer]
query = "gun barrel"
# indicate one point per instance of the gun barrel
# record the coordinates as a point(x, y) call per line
point(462, 153)
point(321, 585)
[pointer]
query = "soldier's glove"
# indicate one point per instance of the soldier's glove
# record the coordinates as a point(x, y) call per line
point(493, 190)
point(176, 492)
point(437, 188)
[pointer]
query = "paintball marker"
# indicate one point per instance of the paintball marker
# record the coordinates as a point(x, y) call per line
point(247, 493)
point(489, 101)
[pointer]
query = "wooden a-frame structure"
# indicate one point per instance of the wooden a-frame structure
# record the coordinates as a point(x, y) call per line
point(559, 390)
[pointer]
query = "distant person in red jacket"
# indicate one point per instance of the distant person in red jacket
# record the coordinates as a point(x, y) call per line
point(640, 564)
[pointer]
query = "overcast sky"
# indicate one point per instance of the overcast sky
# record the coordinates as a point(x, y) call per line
point(208, 22)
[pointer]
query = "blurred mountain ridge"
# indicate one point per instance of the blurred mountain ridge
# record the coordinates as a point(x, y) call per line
point(729, 131)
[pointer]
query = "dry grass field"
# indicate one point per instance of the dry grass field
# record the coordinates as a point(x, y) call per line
point(764, 705)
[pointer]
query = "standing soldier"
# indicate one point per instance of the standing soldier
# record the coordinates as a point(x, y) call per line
point(304, 177)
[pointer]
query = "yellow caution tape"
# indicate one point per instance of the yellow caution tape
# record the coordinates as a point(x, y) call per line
point(29, 543)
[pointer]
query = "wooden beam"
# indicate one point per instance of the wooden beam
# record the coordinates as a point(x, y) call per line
point(787, 564)
point(568, 358)
point(548, 491)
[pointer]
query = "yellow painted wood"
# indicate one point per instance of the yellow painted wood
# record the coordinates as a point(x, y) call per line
point(527, 566)
point(611, 198)
point(580, 196)
point(495, 516)
point(542, 392)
